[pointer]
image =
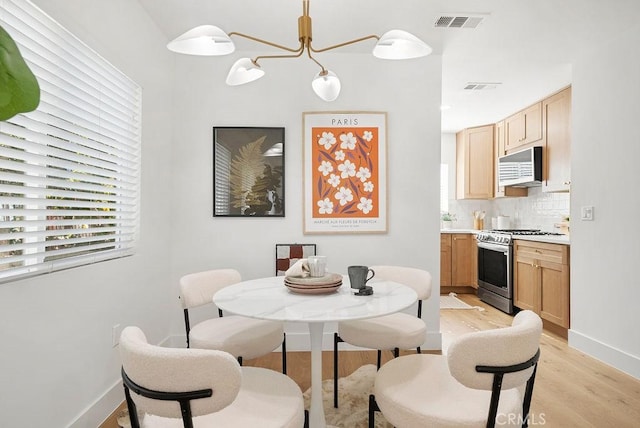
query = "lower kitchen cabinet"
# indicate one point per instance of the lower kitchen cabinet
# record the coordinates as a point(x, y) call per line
point(456, 264)
point(445, 260)
point(541, 277)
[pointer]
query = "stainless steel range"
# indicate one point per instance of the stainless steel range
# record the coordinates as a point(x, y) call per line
point(495, 265)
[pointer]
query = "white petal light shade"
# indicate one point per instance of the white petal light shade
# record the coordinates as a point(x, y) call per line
point(399, 44)
point(244, 71)
point(206, 40)
point(326, 85)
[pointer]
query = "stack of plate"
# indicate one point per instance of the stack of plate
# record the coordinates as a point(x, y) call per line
point(313, 285)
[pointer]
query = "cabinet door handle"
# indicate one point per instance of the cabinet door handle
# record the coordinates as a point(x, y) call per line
point(567, 183)
point(538, 251)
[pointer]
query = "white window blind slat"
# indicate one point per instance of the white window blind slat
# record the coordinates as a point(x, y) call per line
point(40, 192)
point(59, 173)
point(33, 183)
point(56, 223)
point(50, 126)
point(76, 162)
point(61, 231)
point(69, 171)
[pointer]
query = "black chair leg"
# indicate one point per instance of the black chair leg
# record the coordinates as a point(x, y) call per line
point(306, 419)
point(336, 338)
point(373, 408)
point(240, 360)
point(378, 364)
point(133, 411)
point(419, 350)
point(396, 352)
point(284, 354)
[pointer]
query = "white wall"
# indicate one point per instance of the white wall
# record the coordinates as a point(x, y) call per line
point(57, 365)
point(408, 90)
point(605, 285)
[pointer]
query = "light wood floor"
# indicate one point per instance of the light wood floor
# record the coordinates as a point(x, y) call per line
point(571, 389)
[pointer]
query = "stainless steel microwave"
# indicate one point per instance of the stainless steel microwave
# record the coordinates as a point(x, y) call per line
point(521, 169)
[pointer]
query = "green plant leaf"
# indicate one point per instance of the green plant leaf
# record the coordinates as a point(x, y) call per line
point(19, 89)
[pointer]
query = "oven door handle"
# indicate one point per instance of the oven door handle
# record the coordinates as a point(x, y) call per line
point(493, 247)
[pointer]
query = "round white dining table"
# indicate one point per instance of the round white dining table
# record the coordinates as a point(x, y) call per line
point(269, 299)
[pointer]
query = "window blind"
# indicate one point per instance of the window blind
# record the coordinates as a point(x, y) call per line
point(69, 171)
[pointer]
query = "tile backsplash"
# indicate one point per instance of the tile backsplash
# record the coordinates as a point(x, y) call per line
point(537, 211)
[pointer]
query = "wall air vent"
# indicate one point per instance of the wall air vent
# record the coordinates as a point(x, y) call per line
point(458, 20)
point(481, 86)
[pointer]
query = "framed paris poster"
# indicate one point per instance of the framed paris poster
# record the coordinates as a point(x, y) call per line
point(345, 172)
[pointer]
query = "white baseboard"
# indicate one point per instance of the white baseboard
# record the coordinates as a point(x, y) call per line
point(617, 358)
point(101, 409)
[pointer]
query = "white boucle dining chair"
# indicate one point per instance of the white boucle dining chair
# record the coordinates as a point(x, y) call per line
point(178, 387)
point(390, 332)
point(486, 379)
point(244, 338)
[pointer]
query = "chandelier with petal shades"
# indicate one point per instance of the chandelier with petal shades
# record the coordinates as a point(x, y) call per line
point(211, 41)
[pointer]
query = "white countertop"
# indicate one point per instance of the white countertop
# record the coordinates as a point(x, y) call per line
point(474, 231)
point(551, 239)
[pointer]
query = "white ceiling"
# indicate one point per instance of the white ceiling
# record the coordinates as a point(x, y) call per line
point(527, 45)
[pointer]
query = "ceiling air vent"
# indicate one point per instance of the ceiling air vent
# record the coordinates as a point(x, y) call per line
point(458, 20)
point(481, 86)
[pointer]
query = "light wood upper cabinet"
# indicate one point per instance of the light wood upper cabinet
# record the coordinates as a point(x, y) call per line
point(475, 163)
point(541, 276)
point(501, 191)
point(524, 127)
point(556, 127)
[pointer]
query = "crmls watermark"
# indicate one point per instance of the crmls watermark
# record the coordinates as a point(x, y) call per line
point(513, 419)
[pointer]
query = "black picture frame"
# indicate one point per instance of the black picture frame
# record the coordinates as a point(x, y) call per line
point(248, 171)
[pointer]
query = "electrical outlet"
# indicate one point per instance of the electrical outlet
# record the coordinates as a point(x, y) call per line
point(586, 214)
point(115, 335)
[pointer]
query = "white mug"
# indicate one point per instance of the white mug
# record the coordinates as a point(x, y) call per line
point(317, 265)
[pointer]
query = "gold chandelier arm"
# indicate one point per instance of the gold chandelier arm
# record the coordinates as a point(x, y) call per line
point(298, 53)
point(314, 60)
point(255, 39)
point(350, 42)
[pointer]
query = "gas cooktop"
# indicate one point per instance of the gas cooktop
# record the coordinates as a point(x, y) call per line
point(504, 236)
point(524, 232)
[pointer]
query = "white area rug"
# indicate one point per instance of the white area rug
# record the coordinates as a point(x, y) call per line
point(353, 400)
point(452, 302)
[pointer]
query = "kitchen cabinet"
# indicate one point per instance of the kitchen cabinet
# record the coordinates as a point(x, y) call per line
point(541, 278)
point(474, 262)
point(445, 259)
point(502, 191)
point(523, 128)
point(556, 129)
point(475, 163)
point(456, 263)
